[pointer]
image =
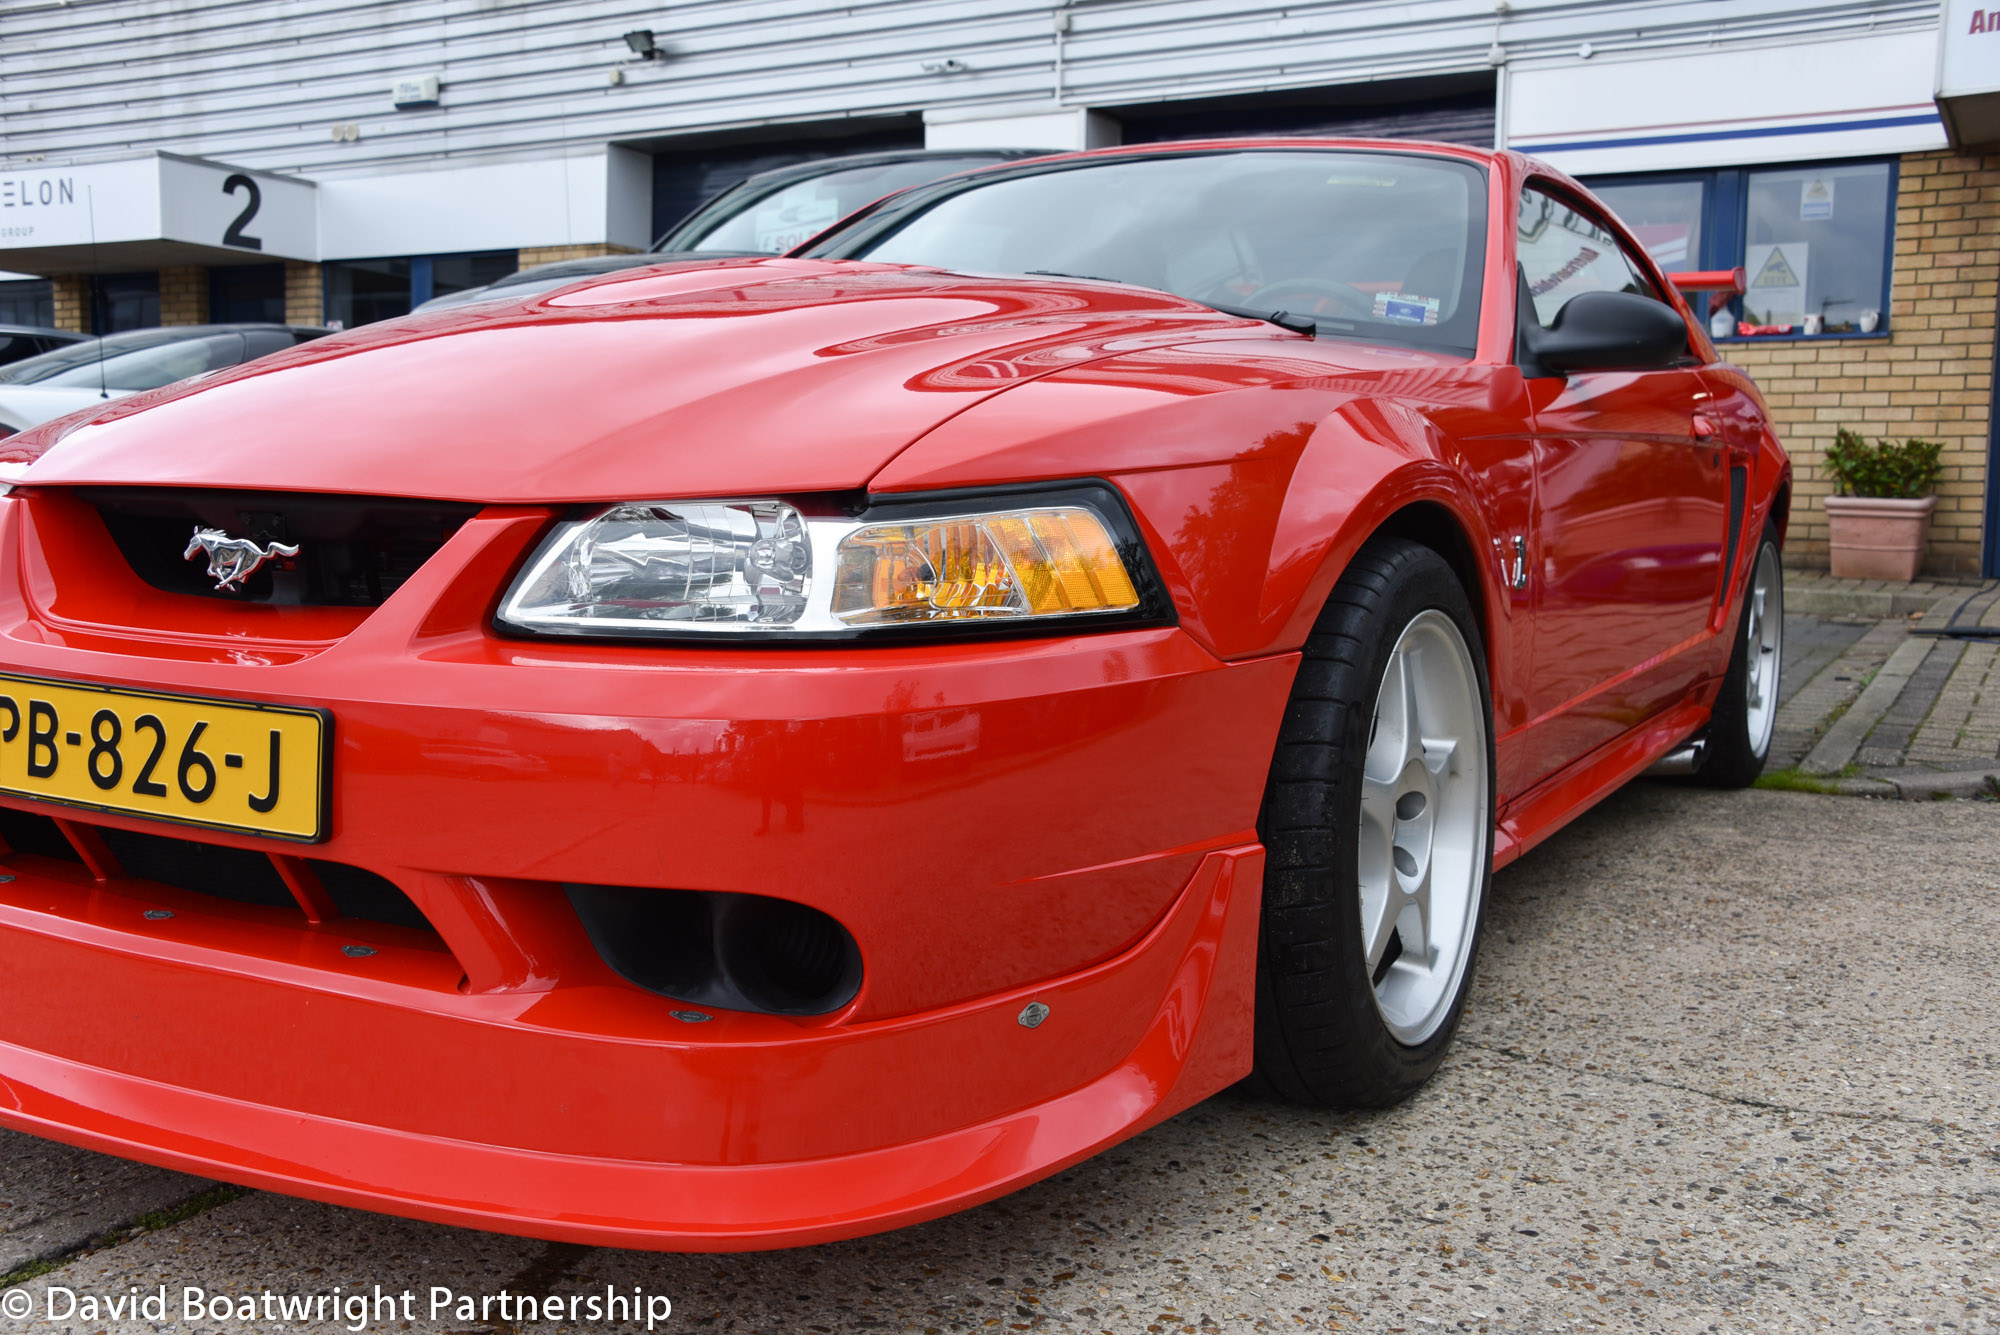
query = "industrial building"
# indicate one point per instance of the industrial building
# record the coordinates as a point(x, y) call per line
point(341, 161)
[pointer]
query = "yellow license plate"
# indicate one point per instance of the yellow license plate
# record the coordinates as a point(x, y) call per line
point(226, 764)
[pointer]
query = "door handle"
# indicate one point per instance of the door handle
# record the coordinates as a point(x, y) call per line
point(1704, 427)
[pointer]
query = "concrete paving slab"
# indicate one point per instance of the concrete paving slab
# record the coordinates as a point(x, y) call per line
point(1807, 709)
point(54, 1199)
point(1836, 748)
point(1728, 1067)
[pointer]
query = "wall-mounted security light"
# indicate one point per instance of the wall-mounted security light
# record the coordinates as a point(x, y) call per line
point(643, 46)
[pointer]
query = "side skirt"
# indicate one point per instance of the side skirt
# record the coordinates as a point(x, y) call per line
point(1567, 794)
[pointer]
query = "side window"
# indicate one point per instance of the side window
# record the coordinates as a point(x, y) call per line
point(257, 342)
point(1564, 252)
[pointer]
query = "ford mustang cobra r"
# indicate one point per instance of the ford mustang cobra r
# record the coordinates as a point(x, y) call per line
point(744, 753)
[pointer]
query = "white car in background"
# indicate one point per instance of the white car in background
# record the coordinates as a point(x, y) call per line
point(36, 389)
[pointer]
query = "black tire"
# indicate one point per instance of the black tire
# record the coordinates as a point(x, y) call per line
point(1733, 754)
point(1320, 1037)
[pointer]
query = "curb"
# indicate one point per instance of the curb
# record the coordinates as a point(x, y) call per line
point(1821, 601)
point(1923, 787)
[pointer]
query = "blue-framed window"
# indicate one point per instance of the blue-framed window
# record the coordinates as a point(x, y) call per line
point(363, 291)
point(1816, 240)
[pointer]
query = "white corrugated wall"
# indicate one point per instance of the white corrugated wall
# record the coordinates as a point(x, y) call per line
point(262, 82)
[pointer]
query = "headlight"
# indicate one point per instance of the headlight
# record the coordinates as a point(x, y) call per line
point(683, 569)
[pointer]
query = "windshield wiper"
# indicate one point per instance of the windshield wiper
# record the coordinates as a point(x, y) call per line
point(1086, 277)
point(1298, 324)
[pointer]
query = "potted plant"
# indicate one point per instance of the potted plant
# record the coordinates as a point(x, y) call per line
point(1880, 523)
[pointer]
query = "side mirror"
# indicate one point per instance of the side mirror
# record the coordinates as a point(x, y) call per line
point(1603, 331)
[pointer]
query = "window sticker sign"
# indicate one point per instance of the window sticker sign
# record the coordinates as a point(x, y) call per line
point(1776, 293)
point(1403, 308)
point(1816, 200)
point(791, 216)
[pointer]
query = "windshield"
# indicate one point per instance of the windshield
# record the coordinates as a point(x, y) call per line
point(772, 221)
point(32, 370)
point(160, 362)
point(1386, 247)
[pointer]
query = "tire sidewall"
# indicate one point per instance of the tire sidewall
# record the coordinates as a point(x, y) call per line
point(1731, 759)
point(1335, 1049)
point(1419, 1060)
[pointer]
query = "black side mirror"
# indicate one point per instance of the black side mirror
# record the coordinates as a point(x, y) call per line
point(1601, 331)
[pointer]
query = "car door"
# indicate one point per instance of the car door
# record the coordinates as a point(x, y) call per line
point(1631, 508)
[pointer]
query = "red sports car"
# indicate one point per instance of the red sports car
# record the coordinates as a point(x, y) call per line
point(747, 753)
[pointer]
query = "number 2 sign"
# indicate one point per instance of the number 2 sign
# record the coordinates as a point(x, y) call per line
point(234, 235)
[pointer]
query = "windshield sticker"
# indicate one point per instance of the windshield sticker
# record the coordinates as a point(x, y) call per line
point(788, 220)
point(1404, 308)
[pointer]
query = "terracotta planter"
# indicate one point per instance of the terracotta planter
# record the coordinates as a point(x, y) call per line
point(1877, 537)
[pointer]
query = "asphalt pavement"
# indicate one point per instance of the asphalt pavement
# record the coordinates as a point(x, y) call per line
point(1729, 1066)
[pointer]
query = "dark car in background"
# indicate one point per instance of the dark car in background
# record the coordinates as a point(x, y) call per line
point(766, 214)
point(90, 370)
point(19, 341)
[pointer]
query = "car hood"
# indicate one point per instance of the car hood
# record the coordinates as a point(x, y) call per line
point(770, 375)
point(23, 406)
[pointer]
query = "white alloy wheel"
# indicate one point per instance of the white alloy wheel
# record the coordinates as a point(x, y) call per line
point(1424, 827)
point(1763, 647)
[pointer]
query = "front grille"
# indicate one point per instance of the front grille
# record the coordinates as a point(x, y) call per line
point(26, 832)
point(206, 869)
point(242, 875)
point(354, 551)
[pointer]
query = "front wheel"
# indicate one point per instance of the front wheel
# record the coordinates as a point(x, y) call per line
point(1746, 712)
point(1377, 822)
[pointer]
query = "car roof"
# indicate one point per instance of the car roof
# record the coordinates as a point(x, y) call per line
point(774, 179)
point(1421, 147)
point(42, 331)
point(232, 327)
point(885, 158)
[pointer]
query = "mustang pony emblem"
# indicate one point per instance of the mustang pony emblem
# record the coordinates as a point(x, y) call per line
point(233, 560)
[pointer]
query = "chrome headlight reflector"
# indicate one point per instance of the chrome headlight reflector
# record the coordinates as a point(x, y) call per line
point(666, 563)
point(764, 568)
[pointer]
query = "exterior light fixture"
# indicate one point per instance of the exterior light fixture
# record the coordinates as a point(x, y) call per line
point(642, 44)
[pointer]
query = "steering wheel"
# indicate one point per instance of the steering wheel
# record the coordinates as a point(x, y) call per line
point(1353, 298)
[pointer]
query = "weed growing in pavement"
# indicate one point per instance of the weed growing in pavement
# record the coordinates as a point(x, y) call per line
point(32, 1270)
point(155, 1220)
point(1794, 780)
point(150, 1222)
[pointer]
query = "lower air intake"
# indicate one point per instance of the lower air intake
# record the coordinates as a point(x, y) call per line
point(729, 951)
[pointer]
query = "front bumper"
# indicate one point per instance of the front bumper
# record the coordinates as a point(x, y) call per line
point(1066, 821)
point(118, 1044)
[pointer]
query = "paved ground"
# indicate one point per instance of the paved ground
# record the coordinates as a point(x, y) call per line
point(1729, 1067)
point(1891, 693)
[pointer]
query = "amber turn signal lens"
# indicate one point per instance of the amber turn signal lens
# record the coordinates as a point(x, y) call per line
point(1011, 565)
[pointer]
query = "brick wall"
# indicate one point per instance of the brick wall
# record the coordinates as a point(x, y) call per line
point(532, 255)
point(305, 293)
point(72, 301)
point(1932, 377)
point(183, 294)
